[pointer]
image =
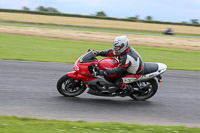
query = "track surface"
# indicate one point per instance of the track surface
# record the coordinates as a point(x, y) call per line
point(29, 89)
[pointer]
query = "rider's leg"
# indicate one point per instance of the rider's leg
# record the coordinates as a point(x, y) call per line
point(124, 88)
point(123, 83)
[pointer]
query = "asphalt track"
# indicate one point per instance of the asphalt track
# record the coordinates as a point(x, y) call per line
point(29, 89)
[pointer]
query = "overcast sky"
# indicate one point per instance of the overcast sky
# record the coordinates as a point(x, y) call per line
point(162, 10)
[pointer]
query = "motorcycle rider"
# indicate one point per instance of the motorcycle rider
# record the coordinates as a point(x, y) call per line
point(131, 64)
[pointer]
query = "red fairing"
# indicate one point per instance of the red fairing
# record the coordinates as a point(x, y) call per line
point(77, 76)
point(83, 66)
point(109, 63)
point(73, 75)
point(82, 69)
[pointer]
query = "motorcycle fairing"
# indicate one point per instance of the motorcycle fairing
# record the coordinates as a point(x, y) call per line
point(98, 84)
point(83, 64)
point(81, 77)
point(101, 85)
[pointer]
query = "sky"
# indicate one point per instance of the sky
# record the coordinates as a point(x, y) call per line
point(161, 10)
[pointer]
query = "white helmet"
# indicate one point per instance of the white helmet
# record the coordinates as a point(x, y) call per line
point(120, 44)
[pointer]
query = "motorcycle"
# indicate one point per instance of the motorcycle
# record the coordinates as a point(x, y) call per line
point(85, 76)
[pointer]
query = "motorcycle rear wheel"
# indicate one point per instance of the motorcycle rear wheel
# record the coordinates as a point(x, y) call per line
point(69, 87)
point(147, 92)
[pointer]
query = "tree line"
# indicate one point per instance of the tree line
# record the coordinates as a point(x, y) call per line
point(42, 9)
point(103, 14)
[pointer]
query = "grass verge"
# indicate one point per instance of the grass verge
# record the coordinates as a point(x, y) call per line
point(14, 47)
point(13, 124)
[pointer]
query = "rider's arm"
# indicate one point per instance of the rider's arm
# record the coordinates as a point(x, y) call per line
point(124, 65)
point(106, 53)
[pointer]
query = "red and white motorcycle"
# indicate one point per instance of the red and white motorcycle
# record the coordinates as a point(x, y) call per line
point(85, 76)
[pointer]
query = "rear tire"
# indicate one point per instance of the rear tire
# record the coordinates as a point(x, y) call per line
point(69, 87)
point(146, 93)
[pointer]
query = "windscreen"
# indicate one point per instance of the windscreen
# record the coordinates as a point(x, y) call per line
point(89, 57)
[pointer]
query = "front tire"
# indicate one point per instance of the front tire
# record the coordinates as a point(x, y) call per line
point(69, 87)
point(146, 92)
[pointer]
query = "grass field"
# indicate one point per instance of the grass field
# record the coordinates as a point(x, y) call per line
point(97, 29)
point(14, 47)
point(85, 22)
point(30, 125)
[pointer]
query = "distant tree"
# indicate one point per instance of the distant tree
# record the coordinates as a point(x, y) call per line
point(184, 22)
point(134, 18)
point(25, 8)
point(51, 9)
point(41, 8)
point(101, 13)
point(48, 9)
point(137, 17)
point(194, 21)
point(149, 18)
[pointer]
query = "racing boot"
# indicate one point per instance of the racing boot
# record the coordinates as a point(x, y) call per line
point(125, 90)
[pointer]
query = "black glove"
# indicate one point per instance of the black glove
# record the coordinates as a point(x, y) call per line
point(102, 73)
point(96, 53)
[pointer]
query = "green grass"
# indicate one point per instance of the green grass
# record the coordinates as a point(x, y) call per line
point(14, 47)
point(14, 124)
point(92, 29)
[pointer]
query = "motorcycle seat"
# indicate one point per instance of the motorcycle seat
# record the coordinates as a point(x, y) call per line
point(150, 67)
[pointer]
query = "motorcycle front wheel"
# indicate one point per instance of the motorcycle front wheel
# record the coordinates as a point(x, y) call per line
point(147, 90)
point(69, 87)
